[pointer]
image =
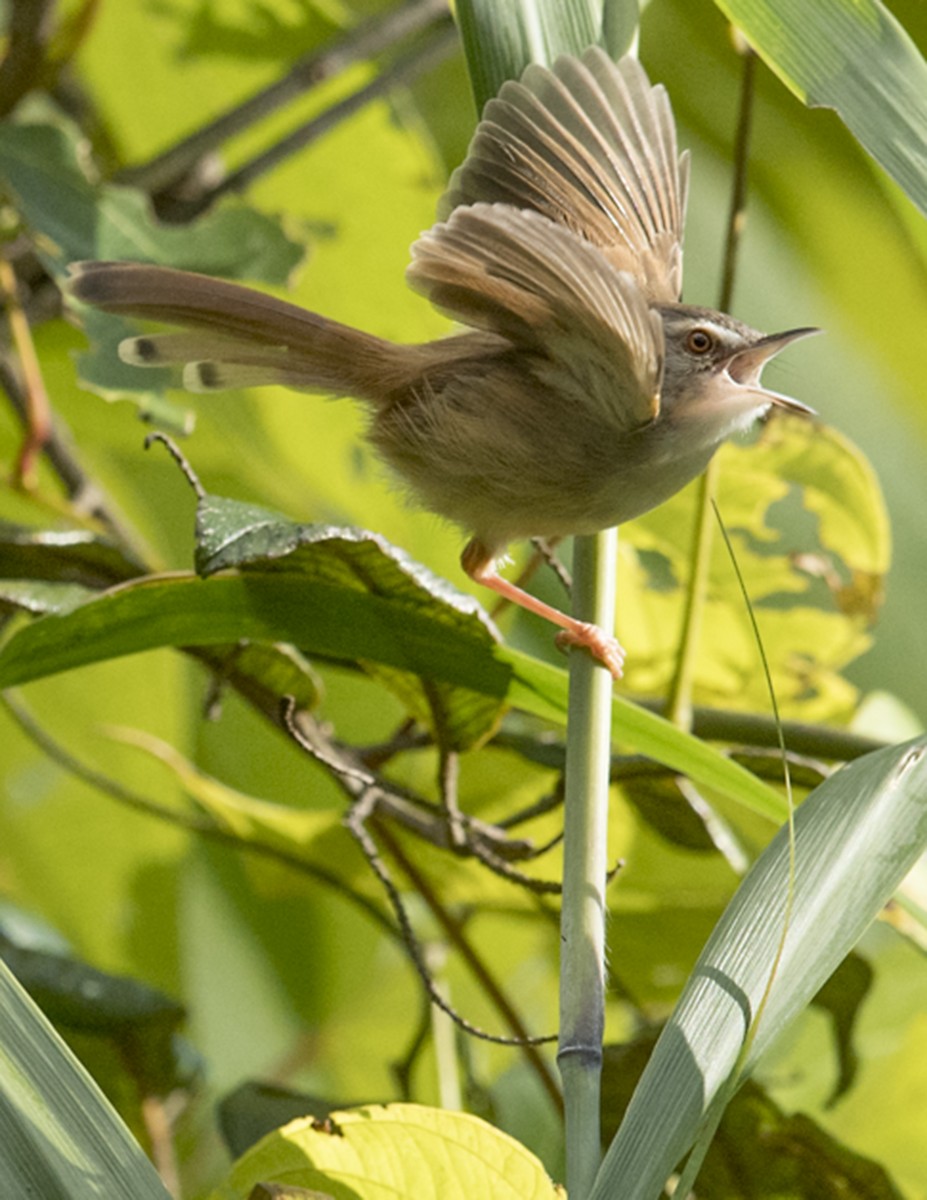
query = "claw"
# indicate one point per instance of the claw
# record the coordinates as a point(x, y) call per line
point(606, 650)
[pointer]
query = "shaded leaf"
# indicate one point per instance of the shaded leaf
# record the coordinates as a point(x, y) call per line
point(231, 534)
point(73, 217)
point(64, 556)
point(61, 1138)
point(256, 31)
point(348, 625)
point(856, 837)
point(79, 999)
point(254, 1110)
point(263, 672)
point(759, 1151)
point(842, 998)
point(77, 995)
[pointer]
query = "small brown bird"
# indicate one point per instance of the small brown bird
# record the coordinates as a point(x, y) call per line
point(584, 392)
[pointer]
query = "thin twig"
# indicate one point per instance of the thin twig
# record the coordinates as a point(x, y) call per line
point(202, 826)
point(411, 812)
point(437, 47)
point(737, 214)
point(367, 794)
point(487, 981)
point(89, 502)
point(355, 821)
point(164, 172)
point(37, 408)
point(27, 38)
point(159, 1127)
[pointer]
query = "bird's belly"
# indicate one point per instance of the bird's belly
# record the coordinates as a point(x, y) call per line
point(505, 462)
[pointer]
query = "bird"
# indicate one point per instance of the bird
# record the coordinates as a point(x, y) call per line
point(581, 393)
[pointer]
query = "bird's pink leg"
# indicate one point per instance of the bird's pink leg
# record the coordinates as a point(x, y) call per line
point(480, 565)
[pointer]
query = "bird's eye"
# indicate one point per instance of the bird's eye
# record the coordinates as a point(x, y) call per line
point(699, 341)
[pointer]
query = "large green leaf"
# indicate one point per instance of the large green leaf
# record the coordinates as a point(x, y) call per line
point(61, 1138)
point(808, 522)
point(230, 534)
point(856, 837)
point(396, 1151)
point(855, 57)
point(347, 624)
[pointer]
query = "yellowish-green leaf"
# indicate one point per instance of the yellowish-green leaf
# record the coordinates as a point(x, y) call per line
point(246, 817)
point(393, 1152)
point(810, 529)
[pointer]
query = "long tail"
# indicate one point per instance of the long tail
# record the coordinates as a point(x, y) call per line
point(235, 337)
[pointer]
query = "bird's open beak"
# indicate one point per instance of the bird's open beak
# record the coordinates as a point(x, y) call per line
point(746, 366)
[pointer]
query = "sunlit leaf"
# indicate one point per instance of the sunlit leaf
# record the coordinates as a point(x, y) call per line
point(250, 819)
point(855, 57)
point(810, 530)
point(402, 1151)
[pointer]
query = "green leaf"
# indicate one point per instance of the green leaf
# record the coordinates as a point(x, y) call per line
point(856, 837)
point(393, 1152)
point(181, 610)
point(233, 534)
point(500, 40)
point(351, 625)
point(254, 1110)
point(72, 217)
point(61, 1138)
point(810, 529)
point(762, 1151)
point(759, 1150)
point(249, 819)
point(74, 994)
point(855, 57)
point(38, 597)
point(63, 556)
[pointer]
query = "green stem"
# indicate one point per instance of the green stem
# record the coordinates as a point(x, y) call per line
point(679, 701)
point(582, 922)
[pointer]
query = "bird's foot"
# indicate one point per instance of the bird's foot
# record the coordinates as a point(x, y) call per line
point(607, 650)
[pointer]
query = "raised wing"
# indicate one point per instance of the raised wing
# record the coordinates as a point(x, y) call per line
point(518, 274)
point(591, 145)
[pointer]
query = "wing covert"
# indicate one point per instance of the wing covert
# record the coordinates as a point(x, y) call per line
point(518, 274)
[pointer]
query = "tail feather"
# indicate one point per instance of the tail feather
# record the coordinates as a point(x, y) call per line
point(237, 337)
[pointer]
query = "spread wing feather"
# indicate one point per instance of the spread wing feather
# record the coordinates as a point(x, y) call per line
point(591, 145)
point(518, 274)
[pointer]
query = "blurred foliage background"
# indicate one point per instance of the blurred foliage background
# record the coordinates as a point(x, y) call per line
point(286, 980)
